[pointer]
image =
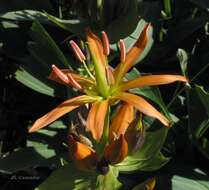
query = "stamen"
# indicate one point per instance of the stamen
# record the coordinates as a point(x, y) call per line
point(79, 54)
point(60, 74)
point(122, 51)
point(106, 43)
point(73, 82)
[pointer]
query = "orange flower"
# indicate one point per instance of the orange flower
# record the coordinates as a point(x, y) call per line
point(125, 139)
point(105, 86)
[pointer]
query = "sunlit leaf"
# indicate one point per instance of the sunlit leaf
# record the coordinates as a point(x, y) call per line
point(42, 150)
point(131, 164)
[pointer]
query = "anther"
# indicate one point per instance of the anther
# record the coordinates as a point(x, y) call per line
point(73, 82)
point(60, 74)
point(79, 54)
point(122, 51)
point(106, 43)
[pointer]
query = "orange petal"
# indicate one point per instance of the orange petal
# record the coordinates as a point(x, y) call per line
point(96, 118)
point(116, 151)
point(133, 54)
point(83, 156)
point(151, 81)
point(143, 106)
point(80, 79)
point(121, 121)
point(96, 47)
point(99, 61)
point(60, 110)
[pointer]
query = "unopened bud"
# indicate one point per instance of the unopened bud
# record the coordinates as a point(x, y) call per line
point(116, 151)
point(135, 135)
point(83, 156)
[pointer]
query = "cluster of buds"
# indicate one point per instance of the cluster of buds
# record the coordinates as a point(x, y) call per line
point(113, 139)
point(126, 136)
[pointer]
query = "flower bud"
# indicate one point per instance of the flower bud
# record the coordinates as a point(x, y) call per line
point(83, 156)
point(135, 135)
point(116, 151)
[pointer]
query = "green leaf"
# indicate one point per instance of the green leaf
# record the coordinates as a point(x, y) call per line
point(204, 97)
point(68, 177)
point(34, 83)
point(25, 15)
point(132, 38)
point(35, 76)
point(119, 28)
point(196, 181)
point(42, 150)
point(75, 26)
point(131, 164)
point(109, 181)
point(183, 59)
point(48, 45)
point(154, 141)
point(198, 106)
point(124, 25)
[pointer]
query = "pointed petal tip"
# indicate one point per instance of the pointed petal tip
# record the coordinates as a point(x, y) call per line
point(31, 130)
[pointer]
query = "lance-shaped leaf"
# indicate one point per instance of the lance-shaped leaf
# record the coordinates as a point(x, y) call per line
point(133, 54)
point(83, 156)
point(99, 61)
point(143, 106)
point(116, 151)
point(121, 121)
point(61, 110)
point(152, 80)
point(96, 118)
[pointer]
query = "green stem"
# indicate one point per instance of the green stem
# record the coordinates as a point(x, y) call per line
point(167, 6)
point(87, 70)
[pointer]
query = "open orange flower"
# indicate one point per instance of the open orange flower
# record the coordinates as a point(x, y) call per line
point(105, 86)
